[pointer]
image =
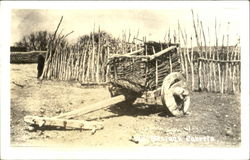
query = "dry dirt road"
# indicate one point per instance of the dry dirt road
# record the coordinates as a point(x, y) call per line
point(214, 118)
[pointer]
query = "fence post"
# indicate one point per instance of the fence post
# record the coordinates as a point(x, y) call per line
point(156, 69)
point(192, 64)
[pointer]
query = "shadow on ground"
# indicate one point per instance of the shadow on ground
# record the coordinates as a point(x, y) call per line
point(138, 109)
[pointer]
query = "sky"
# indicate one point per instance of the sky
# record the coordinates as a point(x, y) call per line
point(152, 23)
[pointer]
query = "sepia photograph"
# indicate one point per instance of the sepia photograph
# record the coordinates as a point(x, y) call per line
point(126, 75)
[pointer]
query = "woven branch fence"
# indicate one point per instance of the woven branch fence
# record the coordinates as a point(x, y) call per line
point(86, 62)
point(213, 71)
point(209, 67)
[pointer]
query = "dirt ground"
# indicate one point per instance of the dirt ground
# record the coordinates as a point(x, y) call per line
point(214, 118)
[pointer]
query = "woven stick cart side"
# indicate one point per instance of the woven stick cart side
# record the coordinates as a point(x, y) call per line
point(145, 70)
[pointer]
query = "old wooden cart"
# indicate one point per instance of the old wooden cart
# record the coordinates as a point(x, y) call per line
point(153, 69)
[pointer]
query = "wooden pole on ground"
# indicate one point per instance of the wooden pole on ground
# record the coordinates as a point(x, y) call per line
point(65, 123)
point(91, 108)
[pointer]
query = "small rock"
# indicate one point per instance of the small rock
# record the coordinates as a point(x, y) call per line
point(188, 113)
point(186, 129)
point(45, 136)
point(226, 115)
point(42, 110)
point(93, 131)
point(120, 124)
point(18, 121)
point(40, 133)
point(58, 111)
point(229, 133)
point(141, 117)
point(133, 139)
point(41, 123)
point(146, 106)
point(31, 128)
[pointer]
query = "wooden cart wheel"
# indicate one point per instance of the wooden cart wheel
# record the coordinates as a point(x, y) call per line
point(174, 96)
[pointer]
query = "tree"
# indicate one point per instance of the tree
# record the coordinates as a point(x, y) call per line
point(35, 41)
point(104, 38)
point(101, 38)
